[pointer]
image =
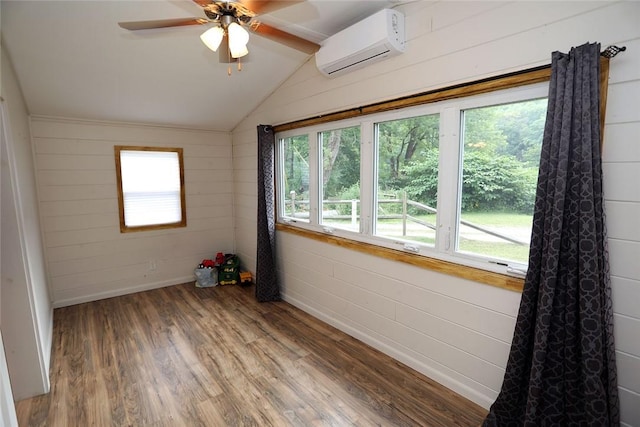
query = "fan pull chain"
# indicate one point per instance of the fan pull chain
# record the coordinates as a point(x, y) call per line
point(239, 67)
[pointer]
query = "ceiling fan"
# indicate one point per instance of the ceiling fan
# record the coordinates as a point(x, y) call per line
point(230, 20)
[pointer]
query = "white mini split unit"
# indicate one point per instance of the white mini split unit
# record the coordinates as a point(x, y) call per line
point(373, 39)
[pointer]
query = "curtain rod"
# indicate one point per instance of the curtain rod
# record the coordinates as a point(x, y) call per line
point(526, 76)
point(612, 51)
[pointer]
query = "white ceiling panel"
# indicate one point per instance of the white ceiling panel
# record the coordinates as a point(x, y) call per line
point(73, 60)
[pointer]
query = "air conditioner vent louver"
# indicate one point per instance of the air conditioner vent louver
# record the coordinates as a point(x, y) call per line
point(373, 39)
point(367, 56)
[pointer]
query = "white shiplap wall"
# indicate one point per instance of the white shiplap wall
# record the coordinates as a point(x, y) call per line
point(87, 256)
point(453, 330)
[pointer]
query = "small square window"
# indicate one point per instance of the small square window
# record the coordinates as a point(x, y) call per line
point(150, 188)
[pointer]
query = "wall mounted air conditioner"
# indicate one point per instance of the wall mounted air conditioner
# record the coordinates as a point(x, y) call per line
point(373, 39)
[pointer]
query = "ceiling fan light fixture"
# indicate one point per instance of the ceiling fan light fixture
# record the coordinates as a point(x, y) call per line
point(212, 37)
point(226, 25)
point(238, 39)
point(238, 51)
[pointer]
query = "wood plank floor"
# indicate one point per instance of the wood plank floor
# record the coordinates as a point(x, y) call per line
point(183, 356)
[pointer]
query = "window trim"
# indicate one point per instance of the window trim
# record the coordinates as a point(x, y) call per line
point(183, 207)
point(492, 84)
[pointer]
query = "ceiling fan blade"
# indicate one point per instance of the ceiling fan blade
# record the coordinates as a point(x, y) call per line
point(285, 38)
point(256, 6)
point(202, 3)
point(265, 6)
point(162, 23)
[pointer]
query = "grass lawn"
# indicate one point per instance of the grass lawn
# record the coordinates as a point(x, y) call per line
point(512, 224)
point(499, 219)
point(509, 251)
point(474, 241)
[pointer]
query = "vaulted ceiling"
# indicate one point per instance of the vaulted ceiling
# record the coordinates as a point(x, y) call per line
point(73, 60)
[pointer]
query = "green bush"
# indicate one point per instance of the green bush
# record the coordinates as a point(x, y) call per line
point(420, 179)
point(350, 193)
point(490, 182)
point(493, 182)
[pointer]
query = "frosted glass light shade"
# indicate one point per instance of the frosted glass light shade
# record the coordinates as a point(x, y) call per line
point(238, 39)
point(238, 51)
point(212, 37)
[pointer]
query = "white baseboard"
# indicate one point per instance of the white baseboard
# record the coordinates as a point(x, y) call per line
point(48, 349)
point(121, 291)
point(421, 367)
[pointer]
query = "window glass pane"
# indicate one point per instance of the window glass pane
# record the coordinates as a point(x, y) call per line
point(501, 155)
point(407, 163)
point(341, 178)
point(150, 187)
point(295, 174)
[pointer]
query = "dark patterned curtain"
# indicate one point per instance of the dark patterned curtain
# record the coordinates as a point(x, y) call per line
point(561, 369)
point(267, 288)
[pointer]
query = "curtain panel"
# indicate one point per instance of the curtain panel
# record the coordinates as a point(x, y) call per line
point(267, 287)
point(561, 369)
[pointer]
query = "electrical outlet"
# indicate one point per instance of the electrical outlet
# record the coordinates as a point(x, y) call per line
point(153, 265)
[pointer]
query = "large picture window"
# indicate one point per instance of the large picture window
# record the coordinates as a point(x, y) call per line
point(453, 180)
point(294, 177)
point(407, 178)
point(150, 188)
point(340, 171)
point(500, 159)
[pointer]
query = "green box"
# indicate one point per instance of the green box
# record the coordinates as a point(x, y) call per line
point(229, 272)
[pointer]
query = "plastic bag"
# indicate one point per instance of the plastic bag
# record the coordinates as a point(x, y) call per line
point(206, 277)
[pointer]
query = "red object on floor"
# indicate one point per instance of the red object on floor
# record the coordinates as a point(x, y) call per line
point(219, 258)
